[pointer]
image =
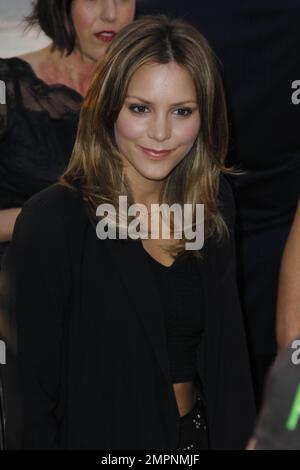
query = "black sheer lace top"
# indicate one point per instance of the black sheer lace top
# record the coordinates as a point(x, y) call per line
point(38, 127)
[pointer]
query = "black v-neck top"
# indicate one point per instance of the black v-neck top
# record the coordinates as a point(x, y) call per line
point(38, 126)
point(179, 287)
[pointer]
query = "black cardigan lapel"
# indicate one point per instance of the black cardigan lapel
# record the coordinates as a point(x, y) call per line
point(135, 275)
point(213, 333)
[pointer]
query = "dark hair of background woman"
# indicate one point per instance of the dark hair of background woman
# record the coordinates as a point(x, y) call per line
point(54, 18)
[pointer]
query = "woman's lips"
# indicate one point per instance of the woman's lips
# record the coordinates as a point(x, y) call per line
point(156, 154)
point(105, 36)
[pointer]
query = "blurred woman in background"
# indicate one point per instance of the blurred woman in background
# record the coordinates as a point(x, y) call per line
point(44, 92)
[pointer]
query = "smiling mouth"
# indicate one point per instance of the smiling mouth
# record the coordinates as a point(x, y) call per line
point(105, 36)
point(156, 154)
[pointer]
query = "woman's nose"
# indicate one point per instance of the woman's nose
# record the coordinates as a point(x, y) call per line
point(109, 11)
point(159, 128)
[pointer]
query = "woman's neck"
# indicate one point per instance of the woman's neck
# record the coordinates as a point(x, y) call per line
point(147, 194)
point(53, 67)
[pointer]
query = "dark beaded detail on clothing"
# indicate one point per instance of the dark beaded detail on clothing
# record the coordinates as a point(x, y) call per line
point(193, 433)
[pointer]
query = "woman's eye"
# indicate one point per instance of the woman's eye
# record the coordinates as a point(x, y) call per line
point(142, 109)
point(138, 108)
point(183, 112)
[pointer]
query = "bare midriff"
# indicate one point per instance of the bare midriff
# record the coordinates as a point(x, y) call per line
point(185, 394)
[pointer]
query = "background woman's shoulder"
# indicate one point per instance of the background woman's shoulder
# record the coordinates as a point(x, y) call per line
point(6, 69)
point(14, 70)
point(14, 73)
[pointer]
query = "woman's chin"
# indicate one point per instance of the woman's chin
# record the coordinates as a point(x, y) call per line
point(156, 176)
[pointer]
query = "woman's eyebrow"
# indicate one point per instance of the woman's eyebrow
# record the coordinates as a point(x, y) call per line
point(149, 102)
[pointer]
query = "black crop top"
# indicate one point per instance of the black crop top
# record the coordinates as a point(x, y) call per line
point(179, 287)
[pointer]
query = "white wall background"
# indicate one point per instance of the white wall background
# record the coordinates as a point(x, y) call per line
point(13, 39)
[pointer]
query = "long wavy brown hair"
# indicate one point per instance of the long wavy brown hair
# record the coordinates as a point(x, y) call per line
point(96, 167)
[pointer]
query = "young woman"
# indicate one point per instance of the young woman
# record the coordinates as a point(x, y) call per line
point(44, 94)
point(134, 343)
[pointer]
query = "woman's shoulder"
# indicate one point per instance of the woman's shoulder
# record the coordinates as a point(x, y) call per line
point(226, 200)
point(55, 217)
point(14, 72)
point(57, 200)
point(10, 76)
point(19, 76)
point(54, 211)
point(13, 68)
point(6, 67)
point(225, 188)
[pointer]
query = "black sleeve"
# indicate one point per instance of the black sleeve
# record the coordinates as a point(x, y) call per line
point(237, 389)
point(227, 204)
point(224, 247)
point(36, 275)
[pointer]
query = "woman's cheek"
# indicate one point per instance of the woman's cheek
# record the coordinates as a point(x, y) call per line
point(82, 17)
point(130, 128)
point(189, 132)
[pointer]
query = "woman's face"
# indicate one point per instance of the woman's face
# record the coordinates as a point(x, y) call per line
point(158, 123)
point(96, 22)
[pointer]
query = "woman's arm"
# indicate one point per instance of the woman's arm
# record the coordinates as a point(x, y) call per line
point(35, 287)
point(288, 304)
point(7, 223)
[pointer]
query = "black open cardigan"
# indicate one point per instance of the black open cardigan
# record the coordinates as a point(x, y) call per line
point(92, 364)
